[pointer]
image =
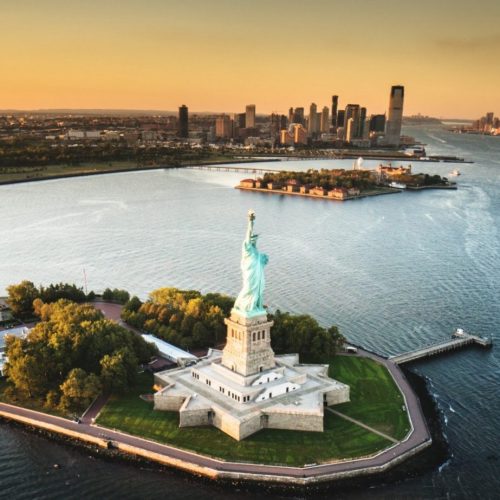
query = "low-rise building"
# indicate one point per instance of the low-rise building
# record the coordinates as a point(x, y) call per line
point(247, 183)
point(317, 191)
point(170, 351)
point(338, 193)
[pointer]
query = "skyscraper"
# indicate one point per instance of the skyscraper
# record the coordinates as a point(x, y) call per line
point(349, 130)
point(377, 123)
point(183, 130)
point(335, 103)
point(298, 116)
point(340, 117)
point(352, 111)
point(395, 116)
point(312, 125)
point(250, 116)
point(223, 127)
point(362, 120)
point(325, 120)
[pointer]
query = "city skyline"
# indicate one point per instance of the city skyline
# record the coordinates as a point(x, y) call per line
point(216, 57)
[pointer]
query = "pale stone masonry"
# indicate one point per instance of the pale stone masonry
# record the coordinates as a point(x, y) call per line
point(248, 345)
point(246, 388)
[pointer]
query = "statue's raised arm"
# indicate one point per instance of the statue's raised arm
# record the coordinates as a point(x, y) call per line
point(250, 301)
point(251, 218)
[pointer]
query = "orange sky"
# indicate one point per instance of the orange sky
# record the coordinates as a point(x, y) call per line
point(218, 55)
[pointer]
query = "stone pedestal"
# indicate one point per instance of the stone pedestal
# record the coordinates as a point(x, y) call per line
point(248, 347)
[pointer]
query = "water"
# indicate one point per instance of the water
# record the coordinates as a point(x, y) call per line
point(393, 272)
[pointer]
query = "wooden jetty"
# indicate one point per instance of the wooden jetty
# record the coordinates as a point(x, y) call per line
point(458, 340)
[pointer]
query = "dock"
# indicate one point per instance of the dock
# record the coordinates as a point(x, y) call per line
point(458, 340)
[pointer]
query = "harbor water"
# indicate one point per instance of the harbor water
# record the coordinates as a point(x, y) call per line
point(393, 272)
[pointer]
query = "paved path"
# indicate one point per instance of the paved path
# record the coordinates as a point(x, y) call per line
point(418, 437)
point(361, 424)
point(94, 409)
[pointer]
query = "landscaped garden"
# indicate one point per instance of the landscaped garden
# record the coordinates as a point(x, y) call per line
point(376, 402)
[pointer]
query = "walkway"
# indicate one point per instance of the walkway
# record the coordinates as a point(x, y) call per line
point(361, 424)
point(169, 455)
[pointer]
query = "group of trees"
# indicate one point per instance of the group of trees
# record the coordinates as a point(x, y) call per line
point(73, 354)
point(327, 179)
point(303, 335)
point(23, 297)
point(116, 295)
point(183, 317)
point(190, 320)
point(32, 153)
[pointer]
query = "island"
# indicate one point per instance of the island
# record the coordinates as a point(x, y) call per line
point(273, 398)
point(342, 184)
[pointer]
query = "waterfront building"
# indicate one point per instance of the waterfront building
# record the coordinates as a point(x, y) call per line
point(335, 103)
point(395, 116)
point(183, 130)
point(325, 120)
point(250, 116)
point(290, 115)
point(245, 387)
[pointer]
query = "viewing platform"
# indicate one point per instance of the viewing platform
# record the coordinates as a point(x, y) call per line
point(458, 340)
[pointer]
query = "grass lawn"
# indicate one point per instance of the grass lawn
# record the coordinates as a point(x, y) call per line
point(375, 401)
point(375, 398)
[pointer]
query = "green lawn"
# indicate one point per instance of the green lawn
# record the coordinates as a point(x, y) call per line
point(375, 398)
point(375, 401)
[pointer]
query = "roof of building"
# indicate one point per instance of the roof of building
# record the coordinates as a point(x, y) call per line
point(167, 350)
point(20, 331)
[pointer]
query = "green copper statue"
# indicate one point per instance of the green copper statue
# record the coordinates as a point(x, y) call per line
point(250, 299)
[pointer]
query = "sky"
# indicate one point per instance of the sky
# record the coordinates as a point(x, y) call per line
point(219, 55)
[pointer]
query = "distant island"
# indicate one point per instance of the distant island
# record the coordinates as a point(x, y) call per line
point(341, 184)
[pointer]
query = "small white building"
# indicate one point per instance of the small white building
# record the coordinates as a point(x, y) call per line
point(21, 332)
point(169, 351)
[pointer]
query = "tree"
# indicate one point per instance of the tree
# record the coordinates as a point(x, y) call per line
point(21, 298)
point(118, 370)
point(74, 336)
point(79, 389)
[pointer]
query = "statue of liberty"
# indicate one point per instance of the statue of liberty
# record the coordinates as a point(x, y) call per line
point(250, 299)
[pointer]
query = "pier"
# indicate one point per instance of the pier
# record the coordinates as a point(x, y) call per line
point(458, 340)
point(232, 168)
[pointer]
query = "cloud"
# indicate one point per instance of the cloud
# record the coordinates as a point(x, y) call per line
point(471, 44)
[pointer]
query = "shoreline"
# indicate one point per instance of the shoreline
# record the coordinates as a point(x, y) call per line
point(133, 169)
point(237, 160)
point(366, 194)
point(421, 461)
point(379, 467)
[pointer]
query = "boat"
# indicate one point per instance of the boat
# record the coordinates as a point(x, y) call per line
point(397, 185)
point(455, 173)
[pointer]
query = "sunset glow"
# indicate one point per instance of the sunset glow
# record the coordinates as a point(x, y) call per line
point(220, 55)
